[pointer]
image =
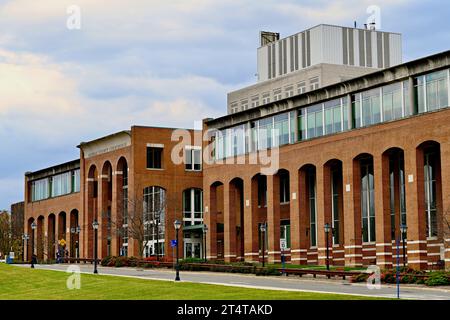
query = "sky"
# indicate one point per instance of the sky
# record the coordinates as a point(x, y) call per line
point(147, 62)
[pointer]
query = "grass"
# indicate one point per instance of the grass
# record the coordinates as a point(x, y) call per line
point(19, 283)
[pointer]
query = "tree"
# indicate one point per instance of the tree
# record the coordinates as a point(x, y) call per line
point(5, 233)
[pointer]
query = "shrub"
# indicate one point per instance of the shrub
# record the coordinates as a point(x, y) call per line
point(269, 271)
point(105, 261)
point(361, 277)
point(438, 279)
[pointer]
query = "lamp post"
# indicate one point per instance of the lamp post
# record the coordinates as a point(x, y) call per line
point(95, 226)
point(327, 229)
point(77, 249)
point(25, 238)
point(177, 226)
point(403, 229)
point(263, 229)
point(205, 230)
point(74, 231)
point(33, 227)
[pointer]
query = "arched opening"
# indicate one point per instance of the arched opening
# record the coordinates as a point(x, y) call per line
point(121, 219)
point(105, 219)
point(308, 206)
point(62, 229)
point(74, 250)
point(154, 215)
point(234, 221)
point(215, 221)
point(193, 223)
point(51, 230)
point(32, 239)
point(92, 209)
point(430, 188)
point(285, 219)
point(333, 207)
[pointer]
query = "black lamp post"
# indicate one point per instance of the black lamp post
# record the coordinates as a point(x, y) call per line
point(205, 230)
point(327, 229)
point(95, 226)
point(263, 229)
point(25, 238)
point(33, 227)
point(403, 229)
point(177, 226)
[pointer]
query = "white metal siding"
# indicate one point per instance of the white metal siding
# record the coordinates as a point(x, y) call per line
point(374, 50)
point(262, 61)
point(395, 43)
point(316, 45)
point(332, 43)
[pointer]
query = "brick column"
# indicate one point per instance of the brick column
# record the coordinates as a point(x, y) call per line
point(251, 250)
point(273, 218)
point(116, 211)
point(352, 212)
point(445, 185)
point(210, 218)
point(382, 211)
point(415, 207)
point(102, 219)
point(229, 208)
point(298, 249)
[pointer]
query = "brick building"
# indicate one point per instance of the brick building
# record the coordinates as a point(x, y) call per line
point(126, 181)
point(365, 155)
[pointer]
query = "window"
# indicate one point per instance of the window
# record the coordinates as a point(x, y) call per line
point(266, 98)
point(234, 107)
point(301, 87)
point(255, 101)
point(281, 131)
point(277, 94)
point(265, 133)
point(392, 101)
point(244, 104)
point(302, 125)
point(40, 189)
point(289, 91)
point(367, 200)
point(314, 83)
point(193, 158)
point(311, 180)
point(430, 193)
point(397, 172)
point(315, 121)
point(371, 107)
point(154, 157)
point(284, 187)
point(76, 180)
point(192, 207)
point(333, 116)
point(431, 91)
point(237, 135)
point(61, 184)
point(154, 209)
point(356, 110)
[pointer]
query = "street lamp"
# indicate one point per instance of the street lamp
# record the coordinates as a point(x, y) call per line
point(403, 229)
point(263, 229)
point(25, 238)
point(205, 230)
point(95, 226)
point(177, 226)
point(73, 231)
point(33, 227)
point(327, 229)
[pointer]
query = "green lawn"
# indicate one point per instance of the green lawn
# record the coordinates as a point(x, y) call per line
point(32, 284)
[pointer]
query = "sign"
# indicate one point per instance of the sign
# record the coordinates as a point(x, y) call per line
point(283, 244)
point(173, 243)
point(11, 255)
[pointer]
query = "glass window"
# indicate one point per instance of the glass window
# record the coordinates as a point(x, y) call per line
point(335, 182)
point(392, 101)
point(437, 90)
point(61, 184)
point(333, 120)
point(154, 158)
point(419, 92)
point(265, 133)
point(193, 158)
point(345, 113)
point(371, 107)
point(315, 121)
point(76, 180)
point(154, 208)
point(40, 189)
point(407, 98)
point(311, 176)
point(237, 140)
point(302, 130)
point(356, 110)
point(192, 206)
point(284, 187)
point(292, 127)
point(430, 193)
point(282, 129)
point(367, 200)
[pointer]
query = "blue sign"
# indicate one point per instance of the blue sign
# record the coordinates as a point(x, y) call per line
point(173, 243)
